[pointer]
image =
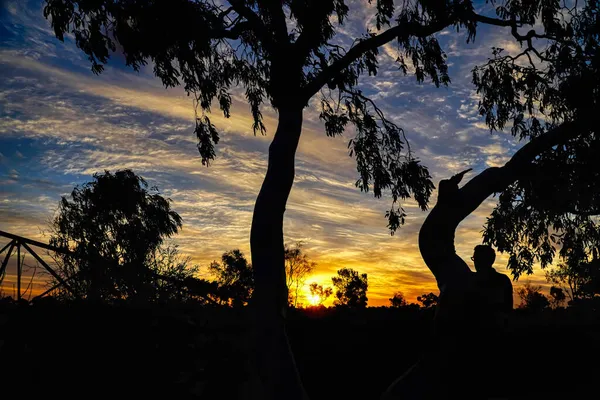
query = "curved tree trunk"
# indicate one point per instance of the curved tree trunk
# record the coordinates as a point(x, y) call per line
point(275, 363)
point(436, 244)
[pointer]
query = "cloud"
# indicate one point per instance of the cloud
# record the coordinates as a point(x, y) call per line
point(497, 155)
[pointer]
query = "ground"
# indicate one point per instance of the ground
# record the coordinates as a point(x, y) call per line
point(83, 351)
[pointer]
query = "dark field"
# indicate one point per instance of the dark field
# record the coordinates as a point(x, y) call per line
point(51, 350)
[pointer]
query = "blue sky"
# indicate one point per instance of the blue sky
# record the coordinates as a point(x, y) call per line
point(59, 123)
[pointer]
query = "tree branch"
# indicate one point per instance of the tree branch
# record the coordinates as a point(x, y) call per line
point(495, 180)
point(411, 29)
point(225, 12)
point(513, 24)
point(255, 23)
point(276, 12)
point(494, 21)
point(235, 32)
point(310, 35)
point(399, 31)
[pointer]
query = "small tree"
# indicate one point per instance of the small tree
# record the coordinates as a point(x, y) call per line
point(568, 277)
point(428, 300)
point(111, 230)
point(297, 269)
point(234, 277)
point(532, 298)
point(557, 297)
point(318, 292)
point(351, 288)
point(579, 275)
point(177, 278)
point(398, 300)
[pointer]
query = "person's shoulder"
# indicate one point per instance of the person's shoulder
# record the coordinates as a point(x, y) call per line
point(504, 278)
point(499, 276)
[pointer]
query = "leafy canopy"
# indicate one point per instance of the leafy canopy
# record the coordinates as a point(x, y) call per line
point(234, 278)
point(350, 288)
point(286, 52)
point(532, 298)
point(112, 229)
point(398, 300)
point(554, 204)
point(282, 53)
point(576, 276)
point(319, 294)
point(428, 300)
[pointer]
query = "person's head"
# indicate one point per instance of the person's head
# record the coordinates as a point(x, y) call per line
point(483, 257)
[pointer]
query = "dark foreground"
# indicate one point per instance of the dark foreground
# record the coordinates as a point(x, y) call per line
point(78, 351)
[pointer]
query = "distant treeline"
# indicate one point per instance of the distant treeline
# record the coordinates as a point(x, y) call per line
point(111, 234)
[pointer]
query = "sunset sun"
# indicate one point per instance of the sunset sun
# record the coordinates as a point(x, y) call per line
point(314, 299)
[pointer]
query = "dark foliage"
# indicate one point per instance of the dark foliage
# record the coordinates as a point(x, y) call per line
point(557, 297)
point(554, 204)
point(320, 293)
point(428, 300)
point(398, 300)
point(532, 298)
point(350, 288)
point(578, 279)
point(234, 277)
point(111, 230)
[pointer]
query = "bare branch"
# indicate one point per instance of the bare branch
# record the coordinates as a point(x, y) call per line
point(513, 24)
point(235, 32)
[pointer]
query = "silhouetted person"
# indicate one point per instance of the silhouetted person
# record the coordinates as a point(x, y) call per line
point(478, 300)
point(493, 301)
point(495, 288)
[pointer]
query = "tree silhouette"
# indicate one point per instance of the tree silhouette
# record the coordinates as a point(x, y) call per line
point(398, 300)
point(577, 276)
point(234, 277)
point(549, 188)
point(428, 300)
point(569, 276)
point(532, 298)
point(113, 228)
point(351, 288)
point(557, 297)
point(287, 52)
point(319, 292)
point(297, 268)
point(176, 278)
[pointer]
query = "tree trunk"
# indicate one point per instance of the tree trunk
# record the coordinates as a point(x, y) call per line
point(275, 363)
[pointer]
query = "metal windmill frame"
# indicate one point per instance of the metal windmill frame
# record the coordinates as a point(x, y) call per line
point(18, 242)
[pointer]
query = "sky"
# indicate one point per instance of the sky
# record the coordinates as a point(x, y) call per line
point(59, 124)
